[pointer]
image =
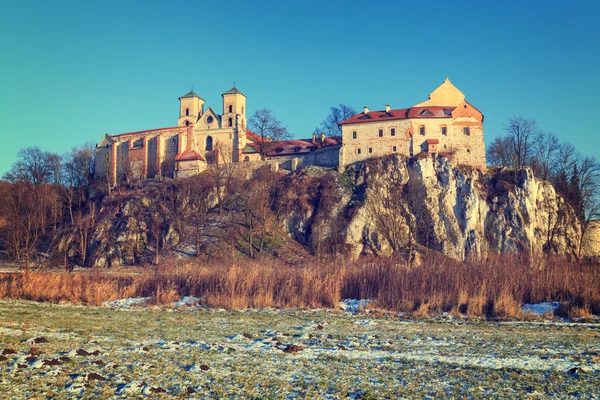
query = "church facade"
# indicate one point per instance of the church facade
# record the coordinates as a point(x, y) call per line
point(445, 124)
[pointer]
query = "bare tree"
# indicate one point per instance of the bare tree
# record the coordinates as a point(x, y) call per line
point(545, 152)
point(269, 129)
point(500, 153)
point(223, 174)
point(588, 187)
point(35, 166)
point(523, 133)
point(331, 124)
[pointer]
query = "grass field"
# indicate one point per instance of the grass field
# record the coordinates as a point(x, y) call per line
point(66, 351)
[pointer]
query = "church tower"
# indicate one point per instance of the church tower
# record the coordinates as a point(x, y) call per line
point(234, 109)
point(191, 107)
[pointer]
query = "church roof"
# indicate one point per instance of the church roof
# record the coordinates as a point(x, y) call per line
point(191, 94)
point(189, 155)
point(289, 147)
point(233, 90)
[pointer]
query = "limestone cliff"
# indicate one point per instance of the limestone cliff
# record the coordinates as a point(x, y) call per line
point(393, 204)
point(385, 206)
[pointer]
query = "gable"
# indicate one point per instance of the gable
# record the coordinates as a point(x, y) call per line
point(465, 110)
point(210, 120)
point(106, 141)
point(444, 95)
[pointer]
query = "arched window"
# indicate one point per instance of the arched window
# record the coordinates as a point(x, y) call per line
point(209, 143)
point(187, 112)
point(247, 158)
point(187, 123)
point(242, 110)
point(230, 109)
point(230, 122)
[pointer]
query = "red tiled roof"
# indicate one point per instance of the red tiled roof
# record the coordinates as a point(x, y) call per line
point(432, 141)
point(189, 155)
point(430, 112)
point(373, 116)
point(401, 113)
point(253, 136)
point(149, 130)
point(296, 146)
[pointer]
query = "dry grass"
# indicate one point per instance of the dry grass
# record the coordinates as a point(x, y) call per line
point(497, 287)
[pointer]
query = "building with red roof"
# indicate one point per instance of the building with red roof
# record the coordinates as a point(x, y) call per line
point(443, 124)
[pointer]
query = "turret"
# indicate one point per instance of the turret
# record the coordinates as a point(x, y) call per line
point(191, 107)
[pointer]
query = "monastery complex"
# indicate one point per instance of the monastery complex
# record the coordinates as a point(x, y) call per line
point(445, 124)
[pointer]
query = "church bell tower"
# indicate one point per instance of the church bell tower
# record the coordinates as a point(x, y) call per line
point(191, 107)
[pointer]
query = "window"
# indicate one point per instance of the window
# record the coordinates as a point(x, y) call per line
point(354, 135)
point(394, 149)
point(466, 131)
point(444, 130)
point(445, 147)
point(393, 132)
point(209, 120)
point(242, 110)
point(381, 133)
point(422, 129)
point(247, 158)
point(468, 150)
point(230, 109)
point(358, 151)
point(187, 123)
point(209, 143)
point(370, 149)
point(187, 112)
point(230, 122)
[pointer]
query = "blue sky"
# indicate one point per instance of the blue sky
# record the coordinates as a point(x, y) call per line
point(74, 70)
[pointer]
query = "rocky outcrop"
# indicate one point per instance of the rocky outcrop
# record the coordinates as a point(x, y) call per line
point(394, 204)
point(384, 206)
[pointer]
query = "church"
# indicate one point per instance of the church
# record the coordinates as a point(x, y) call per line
point(445, 124)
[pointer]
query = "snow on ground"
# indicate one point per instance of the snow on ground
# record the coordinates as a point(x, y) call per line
point(128, 302)
point(541, 308)
point(196, 352)
point(186, 301)
point(354, 305)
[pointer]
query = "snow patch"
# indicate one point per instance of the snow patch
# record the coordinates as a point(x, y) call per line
point(128, 302)
point(541, 308)
point(186, 301)
point(354, 305)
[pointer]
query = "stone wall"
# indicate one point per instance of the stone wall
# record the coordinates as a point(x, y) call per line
point(465, 149)
point(324, 157)
point(369, 144)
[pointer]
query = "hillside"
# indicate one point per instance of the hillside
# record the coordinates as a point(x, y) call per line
point(383, 207)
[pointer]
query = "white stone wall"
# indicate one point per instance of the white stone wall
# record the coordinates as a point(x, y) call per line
point(370, 143)
point(466, 149)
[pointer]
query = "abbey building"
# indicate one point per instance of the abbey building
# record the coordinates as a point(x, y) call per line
point(445, 124)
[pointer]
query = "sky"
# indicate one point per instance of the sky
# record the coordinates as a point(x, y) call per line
point(71, 71)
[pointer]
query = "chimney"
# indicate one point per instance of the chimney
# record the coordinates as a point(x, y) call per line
point(365, 110)
point(314, 138)
point(387, 108)
point(322, 137)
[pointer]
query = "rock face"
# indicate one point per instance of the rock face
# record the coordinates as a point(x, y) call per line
point(395, 204)
point(380, 207)
point(591, 246)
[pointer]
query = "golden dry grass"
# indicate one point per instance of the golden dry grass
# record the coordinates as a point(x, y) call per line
point(495, 287)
